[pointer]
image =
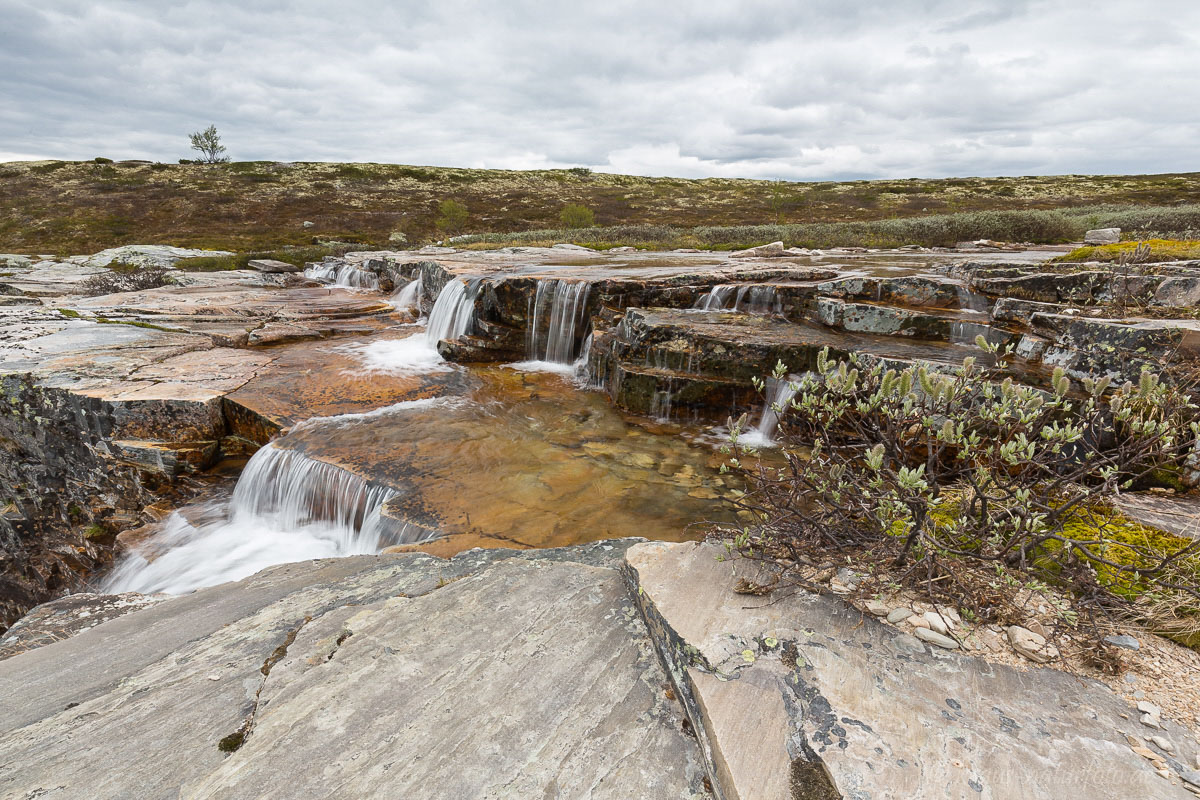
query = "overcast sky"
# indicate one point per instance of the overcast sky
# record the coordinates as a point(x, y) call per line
point(808, 89)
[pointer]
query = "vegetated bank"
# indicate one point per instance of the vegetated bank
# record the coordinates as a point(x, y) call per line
point(81, 207)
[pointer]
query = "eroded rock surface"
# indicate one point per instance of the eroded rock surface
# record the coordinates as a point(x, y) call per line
point(800, 695)
point(491, 675)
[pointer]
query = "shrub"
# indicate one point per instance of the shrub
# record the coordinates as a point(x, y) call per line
point(208, 143)
point(574, 216)
point(452, 216)
point(102, 160)
point(124, 281)
point(972, 489)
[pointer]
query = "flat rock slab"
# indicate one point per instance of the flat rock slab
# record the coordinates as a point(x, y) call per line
point(801, 696)
point(491, 675)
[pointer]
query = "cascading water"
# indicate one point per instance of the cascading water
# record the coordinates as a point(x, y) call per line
point(286, 507)
point(345, 275)
point(557, 319)
point(453, 312)
point(779, 395)
point(748, 298)
point(451, 317)
point(408, 298)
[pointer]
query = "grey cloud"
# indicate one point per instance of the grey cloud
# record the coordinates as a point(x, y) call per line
point(815, 89)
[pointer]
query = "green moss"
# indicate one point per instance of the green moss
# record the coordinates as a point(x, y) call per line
point(1160, 250)
point(232, 743)
point(93, 532)
point(69, 313)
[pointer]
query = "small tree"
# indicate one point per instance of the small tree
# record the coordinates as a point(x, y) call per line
point(452, 216)
point(208, 143)
point(574, 215)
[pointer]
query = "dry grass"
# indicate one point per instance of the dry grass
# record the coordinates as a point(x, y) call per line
point(76, 207)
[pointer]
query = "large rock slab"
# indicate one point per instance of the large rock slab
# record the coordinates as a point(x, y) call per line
point(488, 676)
point(801, 695)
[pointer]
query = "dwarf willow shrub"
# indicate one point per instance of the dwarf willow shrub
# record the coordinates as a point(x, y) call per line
point(935, 479)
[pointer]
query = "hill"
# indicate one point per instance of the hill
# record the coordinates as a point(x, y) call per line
point(68, 207)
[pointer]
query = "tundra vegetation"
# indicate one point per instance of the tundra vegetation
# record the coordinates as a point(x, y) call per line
point(81, 207)
point(979, 492)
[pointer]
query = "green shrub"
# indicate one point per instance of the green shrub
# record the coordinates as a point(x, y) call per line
point(452, 216)
point(971, 488)
point(575, 216)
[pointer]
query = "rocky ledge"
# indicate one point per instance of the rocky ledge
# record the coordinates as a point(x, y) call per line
point(613, 670)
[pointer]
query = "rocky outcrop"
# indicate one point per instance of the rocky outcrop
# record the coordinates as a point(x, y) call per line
point(614, 670)
point(799, 695)
point(494, 674)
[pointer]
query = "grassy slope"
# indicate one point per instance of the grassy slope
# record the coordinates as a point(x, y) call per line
point(76, 207)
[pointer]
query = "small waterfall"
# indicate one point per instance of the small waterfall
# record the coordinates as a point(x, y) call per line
point(408, 298)
point(779, 395)
point(286, 507)
point(453, 312)
point(563, 307)
point(969, 300)
point(716, 298)
point(748, 298)
point(581, 366)
point(345, 275)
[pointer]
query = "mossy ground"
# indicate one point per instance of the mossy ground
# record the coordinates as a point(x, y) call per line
point(1160, 250)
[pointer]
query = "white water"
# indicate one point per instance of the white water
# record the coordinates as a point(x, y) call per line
point(557, 320)
point(453, 312)
point(343, 275)
point(780, 394)
point(286, 507)
point(408, 298)
point(450, 318)
point(748, 298)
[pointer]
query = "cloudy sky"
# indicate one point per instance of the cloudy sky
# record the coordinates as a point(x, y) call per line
point(807, 89)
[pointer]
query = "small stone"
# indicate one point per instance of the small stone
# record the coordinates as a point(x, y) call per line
point(1102, 236)
point(899, 615)
point(1134, 741)
point(1139, 695)
point(918, 621)
point(1123, 640)
point(936, 622)
point(772, 250)
point(214, 677)
point(878, 608)
point(1145, 752)
point(1150, 721)
point(1164, 772)
point(271, 265)
point(1146, 707)
point(935, 638)
point(849, 577)
point(307, 224)
point(1037, 628)
point(1031, 645)
point(837, 587)
point(1164, 744)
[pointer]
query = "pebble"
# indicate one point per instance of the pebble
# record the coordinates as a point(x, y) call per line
point(918, 621)
point(936, 622)
point(1031, 645)
point(1146, 707)
point(1163, 744)
point(878, 608)
point(1124, 640)
point(899, 615)
point(1150, 721)
point(933, 637)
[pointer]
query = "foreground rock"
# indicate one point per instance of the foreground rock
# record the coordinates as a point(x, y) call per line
point(490, 675)
point(796, 695)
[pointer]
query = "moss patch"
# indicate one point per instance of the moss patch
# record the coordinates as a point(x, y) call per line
point(1160, 250)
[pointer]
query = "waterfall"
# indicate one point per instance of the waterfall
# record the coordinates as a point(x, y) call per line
point(453, 312)
point(345, 275)
point(563, 304)
point(286, 507)
point(779, 395)
point(749, 298)
point(716, 298)
point(581, 365)
point(408, 298)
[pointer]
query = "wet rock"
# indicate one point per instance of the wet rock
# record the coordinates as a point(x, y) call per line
point(1100, 236)
point(1031, 645)
point(772, 250)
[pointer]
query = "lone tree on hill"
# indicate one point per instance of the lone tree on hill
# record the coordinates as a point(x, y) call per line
point(208, 143)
